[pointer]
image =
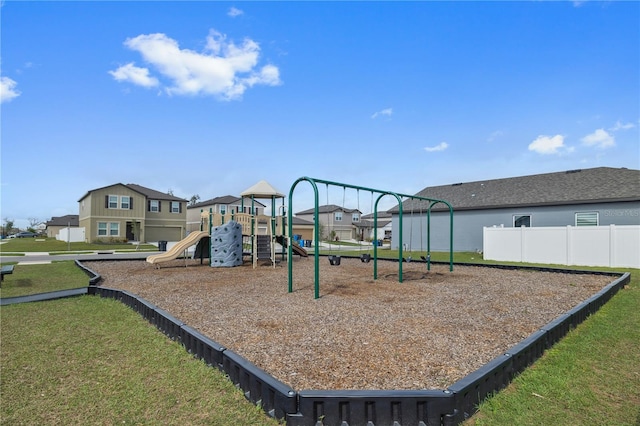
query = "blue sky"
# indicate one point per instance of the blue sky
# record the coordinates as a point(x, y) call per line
point(209, 98)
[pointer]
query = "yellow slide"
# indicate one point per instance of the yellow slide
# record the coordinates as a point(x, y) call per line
point(178, 248)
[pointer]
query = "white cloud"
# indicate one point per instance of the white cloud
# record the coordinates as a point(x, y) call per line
point(135, 75)
point(440, 147)
point(621, 126)
point(547, 144)
point(233, 12)
point(8, 89)
point(599, 138)
point(387, 111)
point(495, 135)
point(223, 69)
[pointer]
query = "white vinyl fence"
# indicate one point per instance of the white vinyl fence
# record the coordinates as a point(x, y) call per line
point(71, 235)
point(611, 246)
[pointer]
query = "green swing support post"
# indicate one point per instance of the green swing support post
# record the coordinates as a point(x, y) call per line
point(316, 236)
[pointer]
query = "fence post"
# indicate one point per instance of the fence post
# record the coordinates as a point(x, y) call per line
point(523, 244)
point(569, 245)
point(612, 246)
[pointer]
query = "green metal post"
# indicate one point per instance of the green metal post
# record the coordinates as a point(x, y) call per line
point(429, 238)
point(315, 236)
point(375, 252)
point(210, 230)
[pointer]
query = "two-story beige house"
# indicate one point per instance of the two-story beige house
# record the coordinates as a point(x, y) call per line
point(336, 222)
point(122, 212)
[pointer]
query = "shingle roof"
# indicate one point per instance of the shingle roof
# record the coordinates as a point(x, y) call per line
point(70, 219)
point(225, 199)
point(147, 192)
point(328, 208)
point(600, 184)
point(152, 193)
point(299, 221)
point(381, 215)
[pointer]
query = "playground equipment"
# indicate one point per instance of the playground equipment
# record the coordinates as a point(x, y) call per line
point(431, 201)
point(238, 233)
point(178, 249)
point(260, 233)
point(226, 245)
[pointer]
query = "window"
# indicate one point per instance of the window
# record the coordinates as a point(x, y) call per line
point(154, 206)
point(521, 220)
point(337, 216)
point(223, 209)
point(111, 229)
point(176, 207)
point(355, 217)
point(113, 202)
point(587, 219)
point(125, 202)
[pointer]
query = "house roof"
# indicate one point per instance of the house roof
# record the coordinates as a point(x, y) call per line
point(582, 186)
point(147, 192)
point(225, 199)
point(262, 189)
point(152, 193)
point(299, 221)
point(381, 215)
point(328, 208)
point(70, 219)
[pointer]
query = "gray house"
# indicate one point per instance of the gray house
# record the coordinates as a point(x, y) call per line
point(587, 197)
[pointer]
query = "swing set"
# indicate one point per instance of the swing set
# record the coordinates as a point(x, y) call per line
point(334, 260)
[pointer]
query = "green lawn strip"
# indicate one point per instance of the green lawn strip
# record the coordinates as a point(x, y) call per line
point(590, 377)
point(43, 278)
point(53, 245)
point(93, 360)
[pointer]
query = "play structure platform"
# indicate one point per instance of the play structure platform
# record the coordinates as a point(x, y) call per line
point(263, 247)
point(178, 249)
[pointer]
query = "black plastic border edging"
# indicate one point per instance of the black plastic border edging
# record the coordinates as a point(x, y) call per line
point(41, 297)
point(495, 375)
point(94, 277)
point(367, 407)
point(276, 398)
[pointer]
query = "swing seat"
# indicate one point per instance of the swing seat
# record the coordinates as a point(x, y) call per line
point(365, 258)
point(334, 260)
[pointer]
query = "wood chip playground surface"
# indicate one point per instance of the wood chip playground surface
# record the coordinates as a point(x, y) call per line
point(427, 332)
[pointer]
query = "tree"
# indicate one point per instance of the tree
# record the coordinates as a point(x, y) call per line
point(34, 221)
point(321, 230)
point(194, 199)
point(7, 227)
point(170, 192)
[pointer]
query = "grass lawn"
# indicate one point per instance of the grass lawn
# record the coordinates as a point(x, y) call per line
point(19, 245)
point(97, 359)
point(89, 360)
point(591, 377)
point(34, 279)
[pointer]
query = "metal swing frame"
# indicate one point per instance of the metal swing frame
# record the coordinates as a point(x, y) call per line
point(314, 183)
